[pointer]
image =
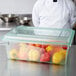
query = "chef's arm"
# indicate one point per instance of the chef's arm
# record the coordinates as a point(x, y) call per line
point(35, 15)
point(73, 20)
point(75, 25)
point(73, 15)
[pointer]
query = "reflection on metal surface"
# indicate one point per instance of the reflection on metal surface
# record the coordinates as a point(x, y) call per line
point(20, 19)
point(21, 68)
point(7, 18)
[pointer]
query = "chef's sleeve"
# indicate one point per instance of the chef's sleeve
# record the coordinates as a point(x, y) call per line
point(35, 15)
point(72, 14)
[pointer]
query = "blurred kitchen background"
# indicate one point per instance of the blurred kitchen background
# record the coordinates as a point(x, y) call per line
point(16, 12)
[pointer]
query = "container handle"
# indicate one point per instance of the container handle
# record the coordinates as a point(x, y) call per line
point(2, 43)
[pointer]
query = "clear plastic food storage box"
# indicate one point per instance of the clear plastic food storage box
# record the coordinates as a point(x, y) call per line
point(37, 44)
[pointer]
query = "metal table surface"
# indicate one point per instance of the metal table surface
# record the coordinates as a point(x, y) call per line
point(5, 27)
point(21, 68)
point(10, 25)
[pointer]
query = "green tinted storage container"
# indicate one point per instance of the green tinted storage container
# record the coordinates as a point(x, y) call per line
point(38, 44)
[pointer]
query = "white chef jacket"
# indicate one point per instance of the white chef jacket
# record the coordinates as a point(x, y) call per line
point(60, 14)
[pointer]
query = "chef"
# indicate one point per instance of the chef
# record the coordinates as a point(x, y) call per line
point(54, 14)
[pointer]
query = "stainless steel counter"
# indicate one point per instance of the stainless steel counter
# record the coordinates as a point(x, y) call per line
point(9, 26)
point(21, 68)
point(5, 27)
